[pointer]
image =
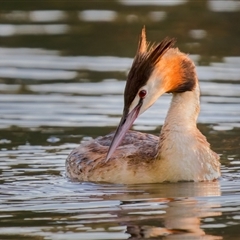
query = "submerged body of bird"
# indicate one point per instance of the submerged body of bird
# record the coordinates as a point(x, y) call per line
point(180, 153)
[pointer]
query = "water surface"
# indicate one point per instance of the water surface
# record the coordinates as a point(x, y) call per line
point(62, 75)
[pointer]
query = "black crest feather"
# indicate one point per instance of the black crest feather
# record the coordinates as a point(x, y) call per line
point(144, 62)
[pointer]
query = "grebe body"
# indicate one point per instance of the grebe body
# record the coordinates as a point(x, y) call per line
point(180, 153)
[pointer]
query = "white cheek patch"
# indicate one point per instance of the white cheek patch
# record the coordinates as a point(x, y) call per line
point(134, 103)
point(154, 89)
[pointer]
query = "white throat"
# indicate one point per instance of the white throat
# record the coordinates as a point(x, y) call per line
point(183, 111)
point(179, 132)
point(183, 151)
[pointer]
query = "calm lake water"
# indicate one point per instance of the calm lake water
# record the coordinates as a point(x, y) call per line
point(63, 66)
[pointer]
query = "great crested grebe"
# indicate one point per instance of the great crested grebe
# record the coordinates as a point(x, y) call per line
point(180, 153)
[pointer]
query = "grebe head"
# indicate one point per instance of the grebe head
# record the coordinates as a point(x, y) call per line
point(156, 69)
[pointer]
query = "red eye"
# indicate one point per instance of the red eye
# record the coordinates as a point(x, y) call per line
point(142, 93)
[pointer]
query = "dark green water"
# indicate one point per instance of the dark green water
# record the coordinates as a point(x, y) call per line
point(62, 71)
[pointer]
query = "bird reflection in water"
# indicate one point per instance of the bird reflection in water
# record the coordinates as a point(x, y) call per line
point(181, 218)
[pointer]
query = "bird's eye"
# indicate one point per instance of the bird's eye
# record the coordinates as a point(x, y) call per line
point(142, 93)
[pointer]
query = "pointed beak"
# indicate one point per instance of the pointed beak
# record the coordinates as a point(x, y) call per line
point(124, 125)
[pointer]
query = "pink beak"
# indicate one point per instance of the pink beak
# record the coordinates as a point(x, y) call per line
point(124, 125)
